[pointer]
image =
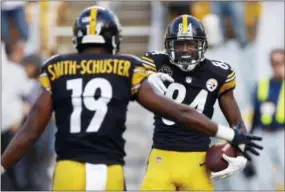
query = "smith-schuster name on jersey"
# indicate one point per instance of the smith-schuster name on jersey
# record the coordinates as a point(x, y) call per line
point(199, 89)
point(90, 95)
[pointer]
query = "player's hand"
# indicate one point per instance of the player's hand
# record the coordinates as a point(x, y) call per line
point(244, 143)
point(236, 164)
point(249, 171)
point(156, 81)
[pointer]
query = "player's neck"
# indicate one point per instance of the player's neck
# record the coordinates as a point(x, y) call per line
point(95, 51)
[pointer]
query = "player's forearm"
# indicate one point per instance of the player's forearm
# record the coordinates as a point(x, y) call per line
point(231, 111)
point(18, 146)
point(181, 113)
point(196, 121)
point(29, 132)
point(200, 123)
point(235, 121)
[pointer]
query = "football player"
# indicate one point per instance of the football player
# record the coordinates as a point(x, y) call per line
point(89, 92)
point(177, 159)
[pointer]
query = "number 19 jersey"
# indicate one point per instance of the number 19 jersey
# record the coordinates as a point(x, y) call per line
point(199, 89)
point(90, 94)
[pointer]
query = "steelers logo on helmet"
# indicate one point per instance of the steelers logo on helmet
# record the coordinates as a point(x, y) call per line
point(212, 84)
point(185, 42)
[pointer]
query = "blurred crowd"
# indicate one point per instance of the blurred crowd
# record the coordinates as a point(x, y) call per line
point(236, 20)
point(20, 87)
point(247, 35)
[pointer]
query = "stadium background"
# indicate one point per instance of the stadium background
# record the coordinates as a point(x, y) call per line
point(49, 32)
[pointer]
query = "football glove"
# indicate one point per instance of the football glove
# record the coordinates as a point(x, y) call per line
point(235, 165)
point(243, 142)
point(249, 170)
point(156, 81)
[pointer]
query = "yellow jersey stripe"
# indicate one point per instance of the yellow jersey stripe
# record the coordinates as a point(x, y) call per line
point(148, 59)
point(148, 63)
point(227, 86)
point(93, 21)
point(184, 23)
point(230, 79)
point(230, 75)
point(148, 67)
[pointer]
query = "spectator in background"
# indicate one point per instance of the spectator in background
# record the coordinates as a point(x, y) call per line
point(15, 86)
point(177, 8)
point(211, 24)
point(270, 34)
point(32, 66)
point(236, 11)
point(15, 51)
point(13, 11)
point(269, 122)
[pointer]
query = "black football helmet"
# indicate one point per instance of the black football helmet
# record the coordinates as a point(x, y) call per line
point(185, 42)
point(97, 26)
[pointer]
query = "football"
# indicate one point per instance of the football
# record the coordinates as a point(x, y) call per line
point(214, 159)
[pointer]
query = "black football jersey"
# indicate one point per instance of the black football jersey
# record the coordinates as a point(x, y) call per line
point(90, 94)
point(199, 89)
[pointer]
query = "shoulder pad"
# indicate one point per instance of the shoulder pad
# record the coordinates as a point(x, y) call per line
point(221, 66)
point(131, 57)
point(226, 75)
point(127, 55)
point(157, 56)
point(220, 70)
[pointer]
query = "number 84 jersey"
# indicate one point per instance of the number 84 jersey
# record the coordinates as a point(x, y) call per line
point(199, 88)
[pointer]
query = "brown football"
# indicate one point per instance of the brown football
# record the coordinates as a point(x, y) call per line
point(214, 159)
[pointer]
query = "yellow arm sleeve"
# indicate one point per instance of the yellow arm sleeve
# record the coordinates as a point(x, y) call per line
point(45, 82)
point(139, 75)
